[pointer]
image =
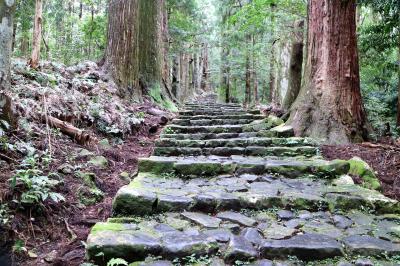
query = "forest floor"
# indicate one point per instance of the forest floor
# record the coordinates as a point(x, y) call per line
point(383, 157)
point(88, 175)
point(91, 174)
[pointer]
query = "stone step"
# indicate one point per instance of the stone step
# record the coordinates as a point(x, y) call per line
point(214, 105)
point(211, 122)
point(219, 116)
point(219, 112)
point(150, 194)
point(236, 142)
point(279, 132)
point(307, 151)
point(230, 237)
point(204, 129)
point(214, 165)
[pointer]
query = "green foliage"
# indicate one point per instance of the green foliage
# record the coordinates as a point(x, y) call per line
point(31, 186)
point(379, 33)
point(117, 262)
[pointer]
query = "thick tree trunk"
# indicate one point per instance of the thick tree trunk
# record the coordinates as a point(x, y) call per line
point(7, 9)
point(122, 53)
point(175, 76)
point(296, 66)
point(195, 72)
point(329, 105)
point(248, 79)
point(398, 85)
point(204, 71)
point(225, 86)
point(37, 35)
point(272, 77)
point(151, 43)
point(254, 72)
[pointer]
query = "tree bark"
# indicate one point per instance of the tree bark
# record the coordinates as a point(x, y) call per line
point(255, 80)
point(7, 9)
point(37, 35)
point(204, 71)
point(122, 53)
point(175, 75)
point(329, 105)
point(398, 84)
point(151, 46)
point(248, 76)
point(296, 66)
point(272, 77)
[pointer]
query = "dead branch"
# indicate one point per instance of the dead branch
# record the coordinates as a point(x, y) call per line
point(79, 135)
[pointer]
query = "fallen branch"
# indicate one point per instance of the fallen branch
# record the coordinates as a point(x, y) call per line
point(164, 118)
point(79, 135)
point(379, 146)
point(7, 159)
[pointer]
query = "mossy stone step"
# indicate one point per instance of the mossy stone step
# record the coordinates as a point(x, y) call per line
point(248, 236)
point(204, 129)
point(219, 116)
point(211, 122)
point(307, 151)
point(213, 113)
point(236, 142)
point(150, 194)
point(215, 165)
point(287, 132)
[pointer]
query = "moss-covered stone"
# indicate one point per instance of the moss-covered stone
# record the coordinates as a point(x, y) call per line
point(265, 124)
point(361, 169)
point(156, 165)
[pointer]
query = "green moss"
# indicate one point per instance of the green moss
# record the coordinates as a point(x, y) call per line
point(361, 169)
point(100, 227)
point(155, 167)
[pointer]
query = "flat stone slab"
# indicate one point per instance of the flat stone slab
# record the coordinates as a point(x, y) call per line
point(307, 151)
point(204, 129)
point(149, 194)
point(216, 165)
point(202, 219)
point(236, 142)
point(370, 246)
point(306, 247)
point(237, 218)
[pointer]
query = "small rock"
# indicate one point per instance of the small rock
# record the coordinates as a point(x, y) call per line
point(284, 215)
point(341, 221)
point(105, 144)
point(99, 161)
point(276, 231)
point(252, 235)
point(240, 249)
point(263, 263)
point(364, 262)
point(51, 256)
point(202, 219)
point(221, 235)
point(237, 218)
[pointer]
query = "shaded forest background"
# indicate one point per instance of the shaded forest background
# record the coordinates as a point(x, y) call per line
point(234, 39)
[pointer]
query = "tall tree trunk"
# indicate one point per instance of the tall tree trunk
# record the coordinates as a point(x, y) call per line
point(175, 75)
point(272, 76)
point(7, 9)
point(398, 85)
point(296, 66)
point(37, 35)
point(255, 80)
point(204, 71)
point(329, 105)
point(195, 72)
point(122, 53)
point(151, 44)
point(248, 76)
point(225, 74)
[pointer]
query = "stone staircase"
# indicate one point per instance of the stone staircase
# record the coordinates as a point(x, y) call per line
point(228, 187)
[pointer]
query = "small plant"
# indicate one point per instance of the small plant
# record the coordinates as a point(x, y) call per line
point(117, 262)
point(33, 185)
